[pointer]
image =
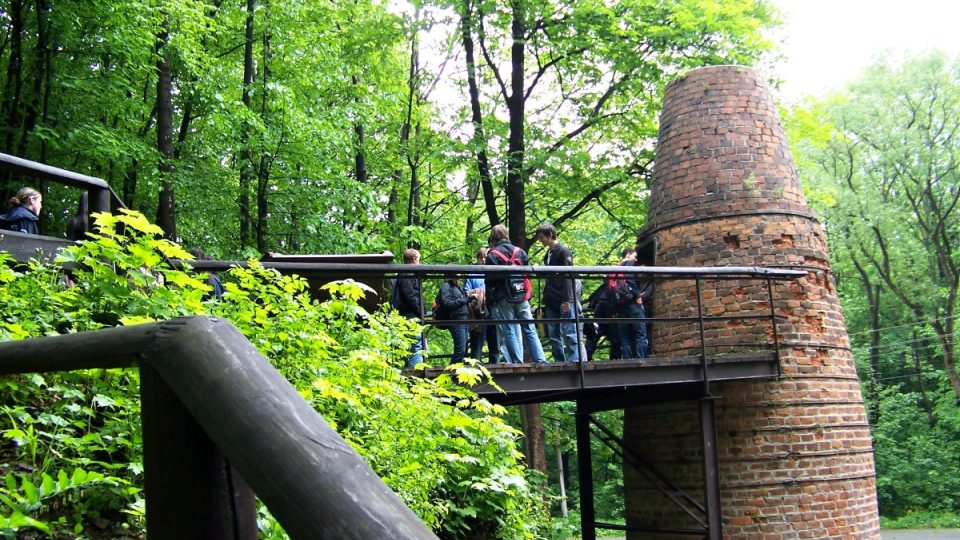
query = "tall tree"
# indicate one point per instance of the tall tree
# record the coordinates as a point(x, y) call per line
point(892, 184)
point(166, 213)
point(579, 85)
point(246, 155)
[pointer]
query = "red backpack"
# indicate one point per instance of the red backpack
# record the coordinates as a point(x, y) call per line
point(518, 286)
point(619, 290)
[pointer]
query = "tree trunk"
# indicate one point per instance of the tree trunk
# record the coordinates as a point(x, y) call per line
point(130, 183)
point(873, 300)
point(14, 83)
point(359, 156)
point(479, 136)
point(44, 5)
point(925, 402)
point(166, 216)
point(246, 159)
point(516, 207)
point(40, 61)
point(263, 170)
point(413, 86)
point(534, 440)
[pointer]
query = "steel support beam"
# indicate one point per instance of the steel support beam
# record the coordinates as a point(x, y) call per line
point(588, 516)
point(711, 468)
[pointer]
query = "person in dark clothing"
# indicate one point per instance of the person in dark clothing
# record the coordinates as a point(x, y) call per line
point(407, 299)
point(454, 301)
point(502, 309)
point(633, 334)
point(24, 211)
point(598, 304)
point(213, 279)
point(559, 298)
point(79, 224)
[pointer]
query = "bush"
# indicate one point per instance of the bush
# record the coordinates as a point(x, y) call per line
point(71, 446)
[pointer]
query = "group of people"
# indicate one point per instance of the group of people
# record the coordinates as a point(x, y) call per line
point(504, 301)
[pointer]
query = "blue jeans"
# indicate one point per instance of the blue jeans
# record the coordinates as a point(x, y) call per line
point(563, 336)
point(459, 335)
point(507, 333)
point(633, 334)
point(416, 352)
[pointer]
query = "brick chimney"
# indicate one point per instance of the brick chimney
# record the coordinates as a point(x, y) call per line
point(796, 458)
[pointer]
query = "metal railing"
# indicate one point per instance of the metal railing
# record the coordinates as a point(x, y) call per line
point(220, 424)
point(658, 274)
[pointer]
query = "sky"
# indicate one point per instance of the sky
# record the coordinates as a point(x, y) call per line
point(829, 42)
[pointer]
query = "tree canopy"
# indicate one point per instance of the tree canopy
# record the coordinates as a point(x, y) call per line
point(879, 162)
point(324, 128)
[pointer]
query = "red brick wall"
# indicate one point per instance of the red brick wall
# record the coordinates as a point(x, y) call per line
point(795, 454)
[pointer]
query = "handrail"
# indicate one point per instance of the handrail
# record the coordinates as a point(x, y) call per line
point(312, 481)
point(439, 270)
point(102, 196)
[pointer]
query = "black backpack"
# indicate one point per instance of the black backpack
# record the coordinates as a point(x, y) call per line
point(517, 285)
point(439, 312)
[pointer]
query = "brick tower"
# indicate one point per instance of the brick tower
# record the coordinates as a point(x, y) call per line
point(795, 453)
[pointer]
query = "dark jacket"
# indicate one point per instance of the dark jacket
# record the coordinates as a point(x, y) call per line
point(558, 289)
point(407, 298)
point(496, 287)
point(640, 287)
point(20, 219)
point(454, 301)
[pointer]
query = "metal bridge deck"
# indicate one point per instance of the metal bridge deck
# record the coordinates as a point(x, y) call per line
point(614, 384)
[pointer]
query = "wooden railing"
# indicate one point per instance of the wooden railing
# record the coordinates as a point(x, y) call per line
point(220, 424)
point(101, 196)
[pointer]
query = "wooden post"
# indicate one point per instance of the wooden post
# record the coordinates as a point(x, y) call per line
point(99, 200)
point(314, 483)
point(191, 491)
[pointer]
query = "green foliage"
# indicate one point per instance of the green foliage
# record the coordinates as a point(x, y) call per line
point(878, 163)
point(71, 440)
point(922, 520)
point(335, 84)
point(917, 469)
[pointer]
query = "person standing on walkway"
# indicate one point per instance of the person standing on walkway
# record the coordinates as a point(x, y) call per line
point(629, 302)
point(24, 212)
point(506, 306)
point(453, 301)
point(407, 299)
point(559, 298)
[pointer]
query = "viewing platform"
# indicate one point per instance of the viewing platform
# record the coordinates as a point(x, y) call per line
point(615, 384)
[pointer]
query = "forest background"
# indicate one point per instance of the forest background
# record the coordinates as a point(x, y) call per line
point(306, 127)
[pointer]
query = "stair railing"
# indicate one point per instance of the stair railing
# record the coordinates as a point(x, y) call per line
point(220, 424)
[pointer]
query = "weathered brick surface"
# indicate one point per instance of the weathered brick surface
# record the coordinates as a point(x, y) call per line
point(795, 453)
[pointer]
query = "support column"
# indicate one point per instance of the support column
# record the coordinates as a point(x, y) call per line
point(588, 515)
point(711, 468)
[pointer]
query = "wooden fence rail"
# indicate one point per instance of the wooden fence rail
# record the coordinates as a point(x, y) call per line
point(220, 424)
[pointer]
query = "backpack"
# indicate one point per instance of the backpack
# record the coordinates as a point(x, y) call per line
point(518, 286)
point(6, 224)
point(619, 290)
point(439, 312)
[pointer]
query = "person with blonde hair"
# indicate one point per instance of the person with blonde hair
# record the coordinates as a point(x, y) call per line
point(507, 304)
point(24, 212)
